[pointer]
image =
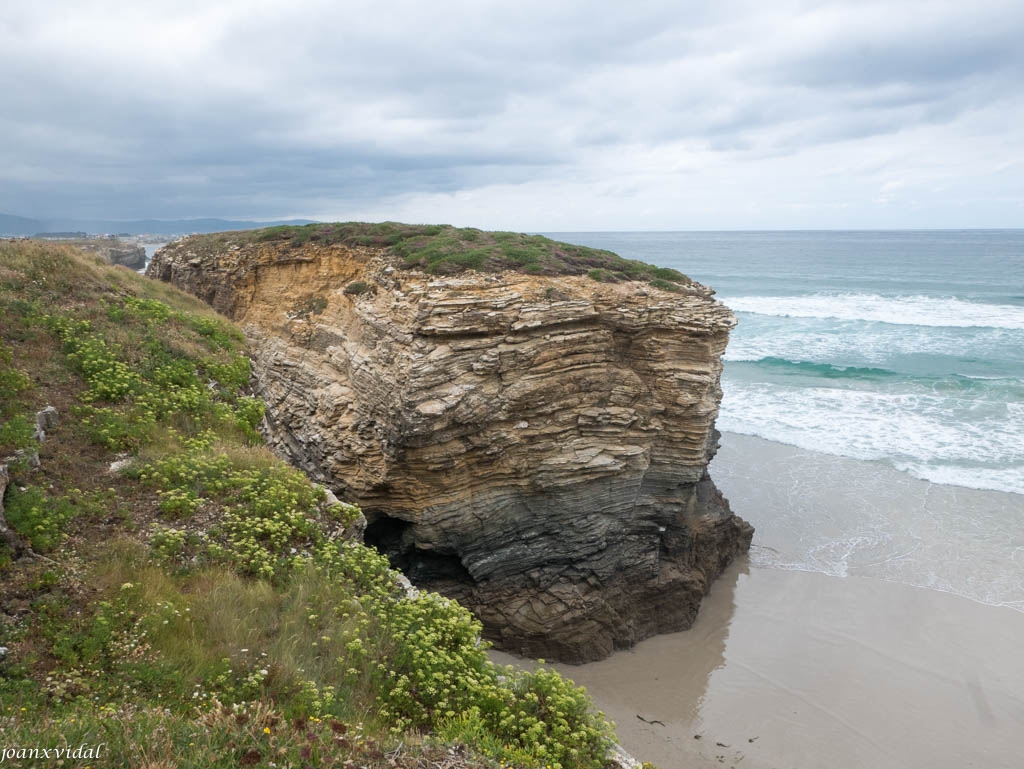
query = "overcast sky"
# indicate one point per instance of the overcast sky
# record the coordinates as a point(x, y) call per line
point(538, 116)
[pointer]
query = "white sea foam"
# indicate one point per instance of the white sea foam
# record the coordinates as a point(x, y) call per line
point(1009, 478)
point(853, 343)
point(932, 436)
point(914, 310)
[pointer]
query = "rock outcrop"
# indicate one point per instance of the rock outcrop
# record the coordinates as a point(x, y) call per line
point(130, 255)
point(535, 447)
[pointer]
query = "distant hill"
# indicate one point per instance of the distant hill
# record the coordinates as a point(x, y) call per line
point(20, 225)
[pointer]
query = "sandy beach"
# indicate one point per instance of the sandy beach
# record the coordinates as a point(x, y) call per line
point(800, 670)
point(846, 517)
point(791, 668)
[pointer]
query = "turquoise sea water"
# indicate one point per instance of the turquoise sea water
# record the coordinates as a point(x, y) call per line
point(901, 347)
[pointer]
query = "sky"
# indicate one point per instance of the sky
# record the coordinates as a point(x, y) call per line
point(536, 116)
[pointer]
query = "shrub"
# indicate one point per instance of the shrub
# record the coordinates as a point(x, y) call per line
point(665, 285)
point(12, 381)
point(17, 432)
point(358, 287)
point(37, 516)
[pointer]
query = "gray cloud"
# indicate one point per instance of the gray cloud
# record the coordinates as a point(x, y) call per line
point(935, 49)
point(512, 114)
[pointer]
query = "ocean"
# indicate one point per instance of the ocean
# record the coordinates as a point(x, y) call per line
point(900, 356)
point(151, 248)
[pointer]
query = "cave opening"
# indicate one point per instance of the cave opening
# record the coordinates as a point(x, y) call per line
point(395, 538)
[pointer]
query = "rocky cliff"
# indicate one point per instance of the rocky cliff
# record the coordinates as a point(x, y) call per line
point(130, 255)
point(535, 446)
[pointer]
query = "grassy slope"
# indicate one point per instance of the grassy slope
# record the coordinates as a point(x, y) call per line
point(201, 602)
point(443, 249)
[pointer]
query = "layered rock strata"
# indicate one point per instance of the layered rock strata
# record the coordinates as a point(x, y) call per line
point(535, 447)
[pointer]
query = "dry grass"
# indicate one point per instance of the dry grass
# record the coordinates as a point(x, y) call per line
point(117, 639)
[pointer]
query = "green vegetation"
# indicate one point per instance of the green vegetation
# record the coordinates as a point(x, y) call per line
point(37, 516)
point(665, 285)
point(16, 429)
point(204, 601)
point(314, 305)
point(358, 287)
point(443, 249)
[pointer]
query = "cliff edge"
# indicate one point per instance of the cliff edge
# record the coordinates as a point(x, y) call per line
point(534, 445)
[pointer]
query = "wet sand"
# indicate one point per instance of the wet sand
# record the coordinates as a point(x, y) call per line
point(844, 517)
point(790, 668)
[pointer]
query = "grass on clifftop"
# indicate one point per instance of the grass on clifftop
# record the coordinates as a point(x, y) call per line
point(200, 604)
point(445, 250)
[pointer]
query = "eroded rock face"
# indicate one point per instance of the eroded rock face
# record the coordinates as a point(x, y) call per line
point(130, 255)
point(535, 447)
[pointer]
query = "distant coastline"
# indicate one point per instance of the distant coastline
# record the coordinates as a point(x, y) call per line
point(20, 226)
